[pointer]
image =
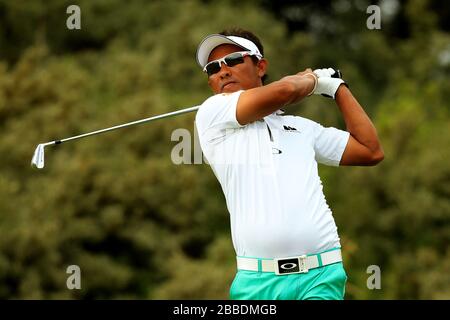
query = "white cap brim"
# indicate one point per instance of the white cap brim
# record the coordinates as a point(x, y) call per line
point(212, 41)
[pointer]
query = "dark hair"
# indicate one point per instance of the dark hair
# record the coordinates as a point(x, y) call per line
point(250, 36)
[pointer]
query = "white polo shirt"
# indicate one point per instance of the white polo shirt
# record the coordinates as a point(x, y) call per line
point(269, 176)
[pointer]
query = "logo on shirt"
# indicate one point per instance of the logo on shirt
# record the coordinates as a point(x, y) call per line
point(288, 128)
point(276, 150)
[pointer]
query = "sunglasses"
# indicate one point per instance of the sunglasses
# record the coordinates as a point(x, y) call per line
point(230, 60)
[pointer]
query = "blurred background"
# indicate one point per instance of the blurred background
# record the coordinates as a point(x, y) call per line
point(141, 227)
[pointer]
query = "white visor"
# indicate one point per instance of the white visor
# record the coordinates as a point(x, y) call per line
point(214, 40)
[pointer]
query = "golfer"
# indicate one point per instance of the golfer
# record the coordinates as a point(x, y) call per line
point(285, 237)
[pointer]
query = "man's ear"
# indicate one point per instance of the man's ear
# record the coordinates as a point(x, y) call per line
point(262, 67)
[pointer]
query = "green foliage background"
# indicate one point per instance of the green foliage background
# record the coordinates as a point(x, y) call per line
point(141, 227)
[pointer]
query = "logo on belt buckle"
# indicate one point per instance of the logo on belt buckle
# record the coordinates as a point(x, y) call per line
point(290, 265)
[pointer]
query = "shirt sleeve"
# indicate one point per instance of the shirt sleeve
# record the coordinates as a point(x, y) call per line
point(329, 144)
point(217, 116)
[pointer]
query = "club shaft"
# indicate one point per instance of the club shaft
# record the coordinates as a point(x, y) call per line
point(165, 115)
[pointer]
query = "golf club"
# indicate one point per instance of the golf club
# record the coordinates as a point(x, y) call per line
point(38, 157)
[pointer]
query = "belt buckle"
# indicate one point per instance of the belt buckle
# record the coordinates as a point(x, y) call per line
point(291, 265)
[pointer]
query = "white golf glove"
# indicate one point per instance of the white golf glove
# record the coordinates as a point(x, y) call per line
point(328, 82)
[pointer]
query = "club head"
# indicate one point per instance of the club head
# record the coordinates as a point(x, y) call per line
point(38, 157)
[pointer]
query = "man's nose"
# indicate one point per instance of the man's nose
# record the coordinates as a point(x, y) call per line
point(224, 71)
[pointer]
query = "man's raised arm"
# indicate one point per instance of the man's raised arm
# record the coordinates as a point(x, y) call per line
point(256, 103)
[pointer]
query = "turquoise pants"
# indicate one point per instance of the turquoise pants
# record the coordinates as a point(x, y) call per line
point(324, 283)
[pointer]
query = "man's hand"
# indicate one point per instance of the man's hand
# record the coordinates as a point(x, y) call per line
point(328, 82)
